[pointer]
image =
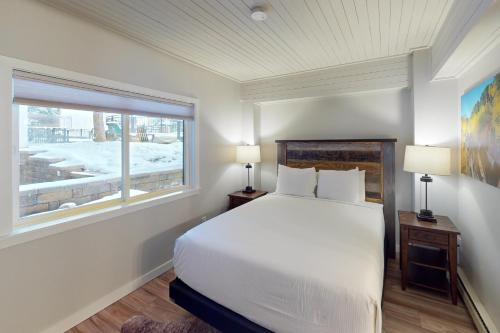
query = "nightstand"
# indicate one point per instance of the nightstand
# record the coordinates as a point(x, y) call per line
point(239, 198)
point(428, 252)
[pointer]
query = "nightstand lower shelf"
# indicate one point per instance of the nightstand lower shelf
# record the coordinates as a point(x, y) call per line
point(427, 257)
point(429, 278)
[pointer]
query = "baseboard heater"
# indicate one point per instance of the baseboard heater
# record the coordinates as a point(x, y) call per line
point(479, 315)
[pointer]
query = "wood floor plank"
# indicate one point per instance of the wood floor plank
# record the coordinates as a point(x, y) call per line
point(395, 325)
point(445, 326)
point(118, 313)
point(139, 299)
point(86, 326)
point(163, 310)
point(410, 311)
point(102, 323)
point(405, 314)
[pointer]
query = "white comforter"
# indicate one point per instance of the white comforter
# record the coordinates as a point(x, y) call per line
point(291, 264)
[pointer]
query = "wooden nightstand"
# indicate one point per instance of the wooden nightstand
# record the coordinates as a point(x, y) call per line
point(428, 251)
point(239, 198)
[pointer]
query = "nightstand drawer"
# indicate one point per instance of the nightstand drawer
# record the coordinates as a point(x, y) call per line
point(239, 198)
point(235, 202)
point(428, 237)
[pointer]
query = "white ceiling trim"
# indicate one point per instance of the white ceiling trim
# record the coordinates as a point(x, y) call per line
point(399, 56)
point(473, 59)
point(460, 20)
point(387, 73)
point(484, 36)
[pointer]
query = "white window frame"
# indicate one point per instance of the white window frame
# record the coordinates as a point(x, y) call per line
point(15, 225)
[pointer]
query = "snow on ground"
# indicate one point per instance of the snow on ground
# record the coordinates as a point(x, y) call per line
point(147, 157)
point(105, 157)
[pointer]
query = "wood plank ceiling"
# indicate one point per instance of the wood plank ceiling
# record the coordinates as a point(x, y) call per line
point(298, 35)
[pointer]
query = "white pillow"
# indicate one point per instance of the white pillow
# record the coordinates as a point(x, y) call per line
point(362, 184)
point(339, 185)
point(296, 181)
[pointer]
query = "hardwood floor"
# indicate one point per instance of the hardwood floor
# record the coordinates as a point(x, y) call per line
point(418, 310)
point(410, 311)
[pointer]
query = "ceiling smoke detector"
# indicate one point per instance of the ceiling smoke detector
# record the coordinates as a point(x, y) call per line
point(258, 14)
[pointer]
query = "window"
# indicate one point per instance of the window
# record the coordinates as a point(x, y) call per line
point(67, 158)
point(86, 147)
point(156, 154)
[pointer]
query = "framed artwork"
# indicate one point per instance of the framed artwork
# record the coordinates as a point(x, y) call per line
point(480, 132)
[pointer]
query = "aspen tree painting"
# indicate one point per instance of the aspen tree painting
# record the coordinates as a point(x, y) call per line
point(480, 139)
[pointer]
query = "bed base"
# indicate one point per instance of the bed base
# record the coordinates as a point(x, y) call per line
point(211, 312)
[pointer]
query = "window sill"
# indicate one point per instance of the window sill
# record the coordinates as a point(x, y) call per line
point(23, 234)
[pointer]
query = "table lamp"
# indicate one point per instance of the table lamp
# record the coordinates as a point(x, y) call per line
point(248, 154)
point(427, 160)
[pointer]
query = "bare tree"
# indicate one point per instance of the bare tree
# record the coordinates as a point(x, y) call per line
point(100, 132)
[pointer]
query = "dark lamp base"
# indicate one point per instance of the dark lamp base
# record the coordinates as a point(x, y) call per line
point(248, 189)
point(426, 215)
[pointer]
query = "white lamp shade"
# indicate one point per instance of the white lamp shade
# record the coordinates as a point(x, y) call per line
point(427, 160)
point(248, 154)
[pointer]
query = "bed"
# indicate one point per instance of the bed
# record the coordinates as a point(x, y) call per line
point(295, 264)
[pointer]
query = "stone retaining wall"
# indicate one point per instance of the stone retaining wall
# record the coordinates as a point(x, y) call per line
point(36, 170)
point(50, 196)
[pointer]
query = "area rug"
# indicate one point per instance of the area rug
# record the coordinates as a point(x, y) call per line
point(142, 324)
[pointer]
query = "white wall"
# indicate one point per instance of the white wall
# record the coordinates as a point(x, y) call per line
point(383, 114)
point(47, 280)
point(472, 205)
point(436, 124)
point(6, 140)
point(250, 136)
point(479, 214)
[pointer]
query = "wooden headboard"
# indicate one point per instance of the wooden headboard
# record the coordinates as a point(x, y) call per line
point(376, 156)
